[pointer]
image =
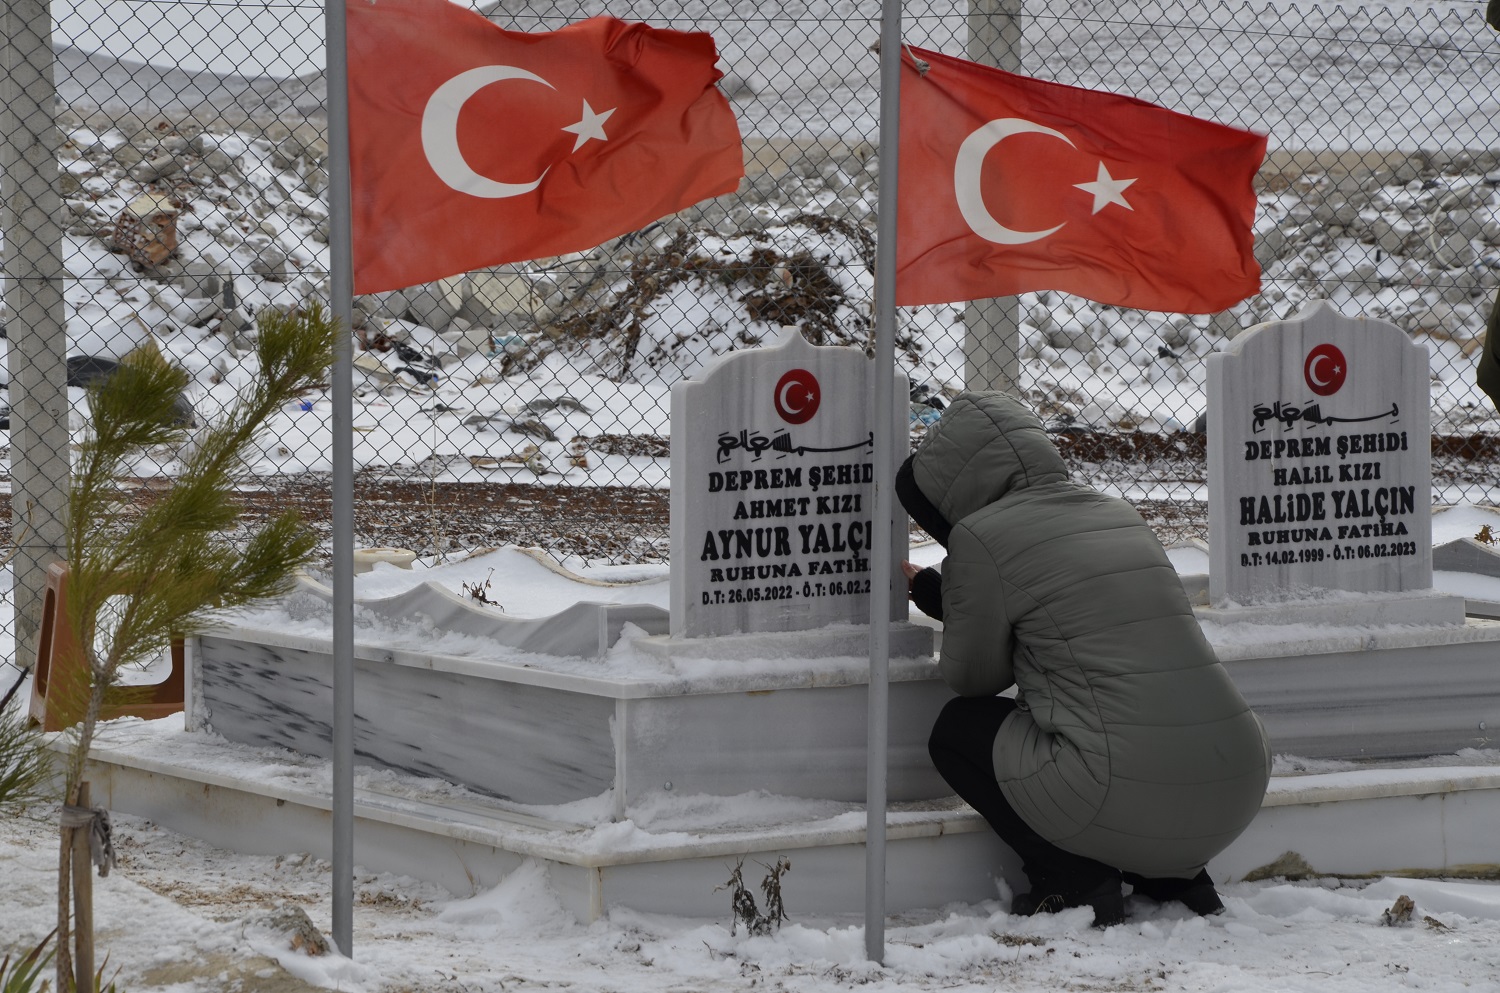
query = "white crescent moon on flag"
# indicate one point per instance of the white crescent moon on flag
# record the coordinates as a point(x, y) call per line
point(966, 171)
point(1312, 370)
point(786, 391)
point(440, 132)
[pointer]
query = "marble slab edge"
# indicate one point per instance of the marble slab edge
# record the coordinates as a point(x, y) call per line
point(1467, 555)
point(1379, 784)
point(501, 829)
point(1423, 608)
point(815, 673)
point(525, 836)
point(1233, 645)
point(907, 641)
point(1488, 610)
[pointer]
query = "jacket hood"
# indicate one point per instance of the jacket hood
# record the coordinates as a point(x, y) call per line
point(984, 446)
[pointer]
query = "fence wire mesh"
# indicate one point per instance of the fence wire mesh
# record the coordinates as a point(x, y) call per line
point(174, 157)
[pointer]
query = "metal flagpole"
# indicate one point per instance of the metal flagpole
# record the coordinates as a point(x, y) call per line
point(881, 564)
point(341, 289)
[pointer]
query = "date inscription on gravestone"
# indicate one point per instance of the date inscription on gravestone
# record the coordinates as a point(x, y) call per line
point(1319, 460)
point(772, 501)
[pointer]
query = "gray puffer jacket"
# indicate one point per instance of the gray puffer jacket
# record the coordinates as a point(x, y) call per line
point(1132, 746)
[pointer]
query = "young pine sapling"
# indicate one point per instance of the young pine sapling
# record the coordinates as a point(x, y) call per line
point(138, 575)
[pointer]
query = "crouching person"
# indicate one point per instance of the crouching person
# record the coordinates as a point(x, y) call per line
point(1126, 754)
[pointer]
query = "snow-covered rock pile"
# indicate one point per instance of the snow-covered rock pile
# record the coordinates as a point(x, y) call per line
point(1424, 242)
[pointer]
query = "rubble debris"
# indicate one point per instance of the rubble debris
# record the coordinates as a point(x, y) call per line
point(1289, 865)
point(146, 230)
point(1399, 913)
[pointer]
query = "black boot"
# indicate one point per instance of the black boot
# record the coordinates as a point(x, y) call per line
point(1197, 894)
point(1104, 898)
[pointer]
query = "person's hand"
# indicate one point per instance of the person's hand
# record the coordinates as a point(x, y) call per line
point(931, 603)
point(911, 573)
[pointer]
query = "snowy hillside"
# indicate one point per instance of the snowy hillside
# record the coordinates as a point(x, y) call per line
point(1418, 247)
point(1413, 237)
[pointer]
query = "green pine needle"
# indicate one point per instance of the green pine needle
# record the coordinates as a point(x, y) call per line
point(161, 570)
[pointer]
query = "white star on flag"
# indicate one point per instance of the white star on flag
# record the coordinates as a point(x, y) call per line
point(1106, 190)
point(592, 126)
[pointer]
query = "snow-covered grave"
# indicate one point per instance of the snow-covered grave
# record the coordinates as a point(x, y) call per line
point(754, 682)
point(670, 850)
point(581, 728)
point(1321, 555)
point(769, 596)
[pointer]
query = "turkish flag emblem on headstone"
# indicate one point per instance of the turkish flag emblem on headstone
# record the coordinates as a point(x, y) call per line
point(1011, 185)
point(472, 146)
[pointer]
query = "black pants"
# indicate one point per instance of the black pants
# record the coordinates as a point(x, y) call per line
point(962, 746)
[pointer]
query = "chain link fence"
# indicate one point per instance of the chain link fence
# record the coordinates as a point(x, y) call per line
point(181, 150)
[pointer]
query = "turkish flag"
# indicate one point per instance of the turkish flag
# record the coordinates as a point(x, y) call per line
point(1010, 185)
point(471, 145)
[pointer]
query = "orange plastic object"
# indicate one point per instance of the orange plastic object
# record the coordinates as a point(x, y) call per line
point(59, 680)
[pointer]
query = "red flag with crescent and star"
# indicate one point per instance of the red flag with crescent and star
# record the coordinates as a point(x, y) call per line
point(472, 146)
point(1011, 185)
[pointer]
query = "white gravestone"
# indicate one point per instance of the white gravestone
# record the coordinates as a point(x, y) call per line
point(773, 481)
point(1319, 460)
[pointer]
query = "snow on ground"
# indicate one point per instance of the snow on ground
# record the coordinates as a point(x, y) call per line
point(180, 916)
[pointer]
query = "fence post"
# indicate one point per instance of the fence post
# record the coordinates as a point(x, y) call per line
point(37, 329)
point(992, 327)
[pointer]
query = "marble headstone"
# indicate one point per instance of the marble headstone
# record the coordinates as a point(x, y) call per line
point(773, 480)
point(1319, 460)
